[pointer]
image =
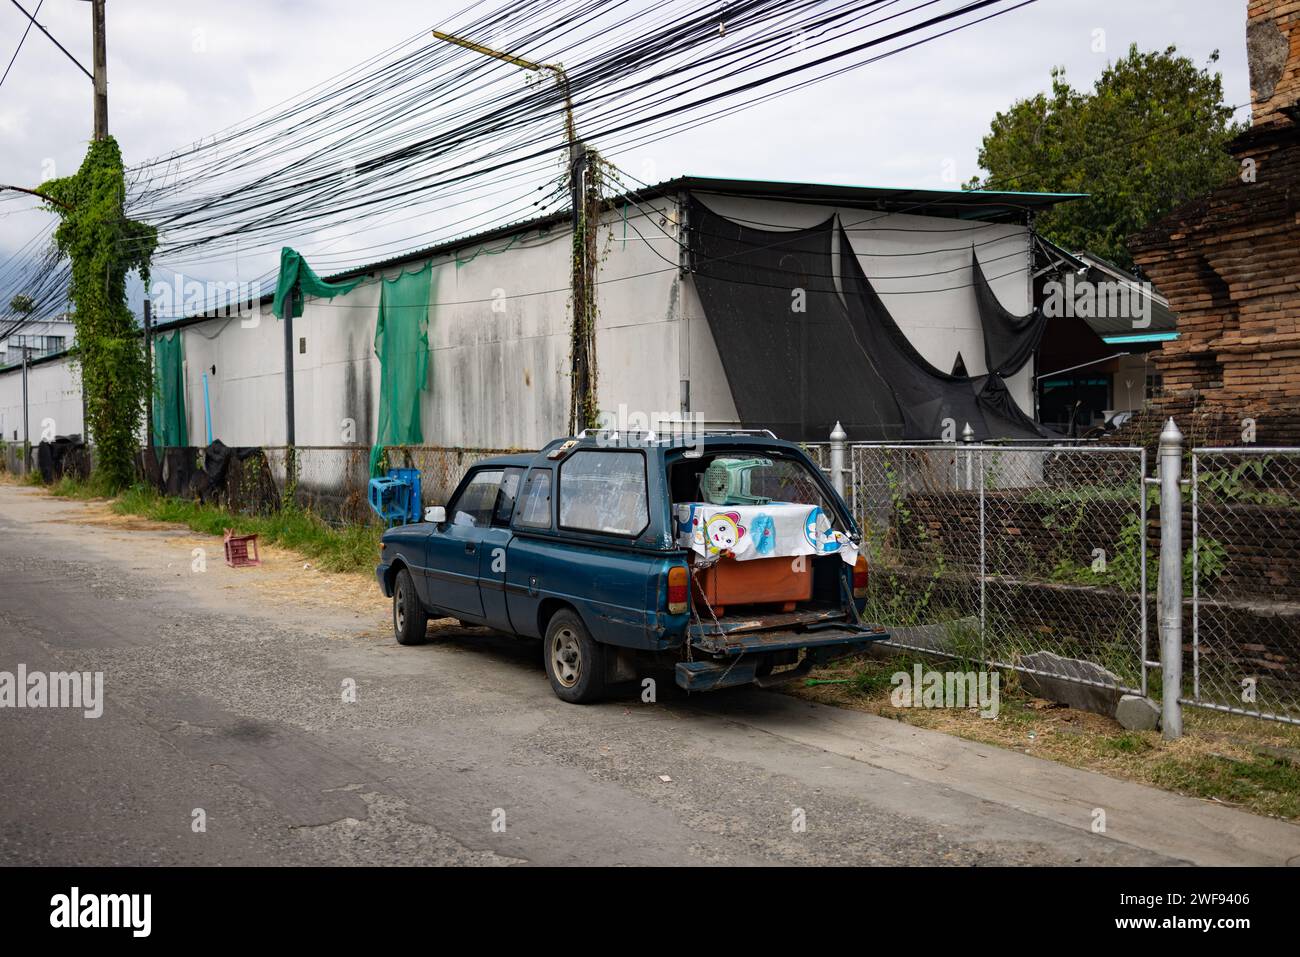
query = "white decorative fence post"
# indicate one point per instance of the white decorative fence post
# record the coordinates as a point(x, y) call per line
point(1170, 593)
point(838, 435)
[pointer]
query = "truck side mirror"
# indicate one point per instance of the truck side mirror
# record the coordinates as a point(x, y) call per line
point(436, 514)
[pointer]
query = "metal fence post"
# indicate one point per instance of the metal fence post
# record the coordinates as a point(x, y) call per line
point(838, 435)
point(968, 438)
point(1144, 653)
point(984, 570)
point(1171, 579)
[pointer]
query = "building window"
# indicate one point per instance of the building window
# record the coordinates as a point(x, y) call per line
point(1074, 400)
point(37, 345)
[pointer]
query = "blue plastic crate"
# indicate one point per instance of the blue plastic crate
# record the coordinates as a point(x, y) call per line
point(390, 500)
point(412, 478)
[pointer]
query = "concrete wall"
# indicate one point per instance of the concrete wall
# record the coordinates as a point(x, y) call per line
point(499, 330)
point(1128, 383)
point(499, 333)
point(54, 401)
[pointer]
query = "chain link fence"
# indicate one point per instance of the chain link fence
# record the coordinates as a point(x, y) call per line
point(1242, 582)
point(820, 453)
point(1031, 558)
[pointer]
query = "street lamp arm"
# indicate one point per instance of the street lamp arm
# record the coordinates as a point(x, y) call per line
point(561, 77)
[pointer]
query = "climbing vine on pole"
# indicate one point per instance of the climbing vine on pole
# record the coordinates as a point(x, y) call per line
point(104, 247)
point(583, 410)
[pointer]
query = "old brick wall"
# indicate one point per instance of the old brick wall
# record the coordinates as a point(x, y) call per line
point(1273, 55)
point(1228, 263)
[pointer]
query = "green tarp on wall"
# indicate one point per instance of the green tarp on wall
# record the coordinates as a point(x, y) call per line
point(294, 272)
point(402, 345)
point(169, 422)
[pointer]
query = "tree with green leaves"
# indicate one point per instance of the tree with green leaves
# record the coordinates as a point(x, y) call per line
point(22, 305)
point(104, 247)
point(1149, 136)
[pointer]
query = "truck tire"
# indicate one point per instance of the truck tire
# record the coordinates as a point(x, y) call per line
point(575, 662)
point(410, 620)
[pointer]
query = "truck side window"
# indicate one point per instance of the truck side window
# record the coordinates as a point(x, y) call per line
point(474, 504)
point(535, 508)
point(604, 492)
point(506, 498)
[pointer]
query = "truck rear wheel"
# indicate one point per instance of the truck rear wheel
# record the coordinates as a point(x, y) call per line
point(410, 620)
point(575, 662)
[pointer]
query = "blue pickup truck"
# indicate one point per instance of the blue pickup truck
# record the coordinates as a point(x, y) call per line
point(587, 545)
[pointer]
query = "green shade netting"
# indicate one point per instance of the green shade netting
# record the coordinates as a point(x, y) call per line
point(294, 272)
point(169, 426)
point(402, 345)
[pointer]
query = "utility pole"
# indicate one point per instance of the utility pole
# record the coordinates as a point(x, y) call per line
point(290, 452)
point(288, 369)
point(583, 359)
point(101, 69)
point(148, 358)
point(27, 441)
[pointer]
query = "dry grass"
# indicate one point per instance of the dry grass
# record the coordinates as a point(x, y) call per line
point(285, 576)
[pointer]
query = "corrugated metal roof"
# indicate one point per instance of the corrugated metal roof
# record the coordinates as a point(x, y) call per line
point(1163, 322)
point(987, 205)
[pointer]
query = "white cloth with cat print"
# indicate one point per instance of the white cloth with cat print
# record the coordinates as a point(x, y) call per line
point(747, 532)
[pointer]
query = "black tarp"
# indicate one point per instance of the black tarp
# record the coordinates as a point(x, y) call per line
point(935, 404)
point(66, 455)
point(209, 481)
point(1009, 340)
point(843, 358)
point(169, 469)
point(795, 372)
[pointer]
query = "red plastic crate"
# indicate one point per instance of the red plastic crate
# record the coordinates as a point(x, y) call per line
point(241, 550)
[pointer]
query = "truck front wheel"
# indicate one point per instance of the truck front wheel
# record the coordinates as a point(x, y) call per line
point(575, 662)
point(410, 620)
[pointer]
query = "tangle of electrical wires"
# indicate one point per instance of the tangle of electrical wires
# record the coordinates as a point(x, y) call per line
point(432, 133)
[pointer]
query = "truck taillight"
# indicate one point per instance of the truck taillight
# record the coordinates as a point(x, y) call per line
point(860, 577)
point(678, 591)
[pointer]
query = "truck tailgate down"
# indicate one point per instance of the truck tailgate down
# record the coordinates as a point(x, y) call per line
point(745, 657)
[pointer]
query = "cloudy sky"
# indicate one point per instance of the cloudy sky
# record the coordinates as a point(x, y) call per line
point(183, 69)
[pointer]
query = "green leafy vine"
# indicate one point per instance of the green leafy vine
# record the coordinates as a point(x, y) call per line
point(104, 247)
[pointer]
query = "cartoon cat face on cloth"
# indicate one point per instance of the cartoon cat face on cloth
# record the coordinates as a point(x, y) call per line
point(724, 532)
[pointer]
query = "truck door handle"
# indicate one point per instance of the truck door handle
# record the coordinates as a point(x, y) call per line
point(469, 548)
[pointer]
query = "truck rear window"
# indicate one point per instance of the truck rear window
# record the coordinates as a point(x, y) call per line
point(604, 492)
point(535, 503)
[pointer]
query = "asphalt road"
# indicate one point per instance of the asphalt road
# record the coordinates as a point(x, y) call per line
point(224, 691)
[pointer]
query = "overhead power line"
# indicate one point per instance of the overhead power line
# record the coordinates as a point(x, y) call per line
point(21, 41)
point(429, 134)
point(32, 18)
